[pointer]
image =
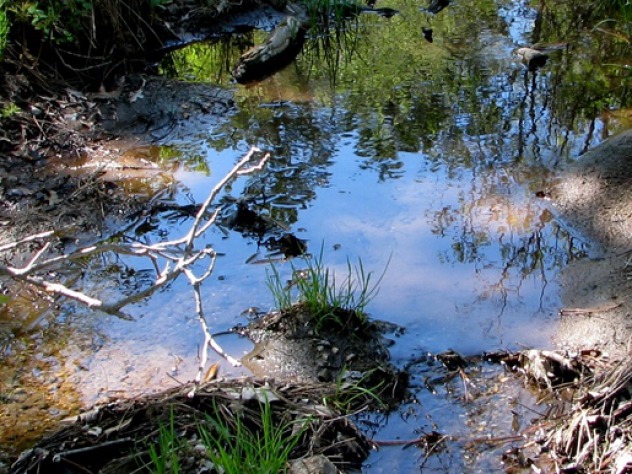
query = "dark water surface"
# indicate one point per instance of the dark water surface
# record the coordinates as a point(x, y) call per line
point(383, 147)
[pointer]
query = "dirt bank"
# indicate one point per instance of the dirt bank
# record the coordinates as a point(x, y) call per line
point(594, 197)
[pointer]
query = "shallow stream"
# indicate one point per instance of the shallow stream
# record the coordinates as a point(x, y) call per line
point(431, 160)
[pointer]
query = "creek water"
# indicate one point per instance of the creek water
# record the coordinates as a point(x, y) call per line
point(430, 160)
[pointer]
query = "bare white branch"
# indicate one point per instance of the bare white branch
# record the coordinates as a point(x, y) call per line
point(30, 238)
point(169, 260)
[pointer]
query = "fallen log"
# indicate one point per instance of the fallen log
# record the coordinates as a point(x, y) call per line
point(277, 51)
point(286, 40)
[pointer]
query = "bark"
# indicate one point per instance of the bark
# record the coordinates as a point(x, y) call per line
point(277, 51)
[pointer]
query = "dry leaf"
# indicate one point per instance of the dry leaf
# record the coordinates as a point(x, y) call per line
point(212, 372)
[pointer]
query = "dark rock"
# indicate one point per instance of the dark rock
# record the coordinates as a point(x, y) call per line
point(427, 32)
point(532, 58)
point(437, 5)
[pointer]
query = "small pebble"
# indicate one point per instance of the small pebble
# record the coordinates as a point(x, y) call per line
point(200, 450)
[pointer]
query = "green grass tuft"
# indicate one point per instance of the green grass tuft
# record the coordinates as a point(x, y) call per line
point(4, 27)
point(354, 392)
point(164, 456)
point(236, 449)
point(234, 443)
point(325, 296)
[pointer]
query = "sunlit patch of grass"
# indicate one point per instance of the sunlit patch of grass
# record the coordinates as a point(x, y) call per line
point(235, 443)
point(327, 298)
point(235, 448)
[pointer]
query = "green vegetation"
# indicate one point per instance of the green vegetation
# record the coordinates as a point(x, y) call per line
point(9, 110)
point(164, 456)
point(408, 110)
point(615, 7)
point(62, 21)
point(239, 450)
point(84, 41)
point(352, 393)
point(198, 62)
point(4, 27)
point(233, 444)
point(324, 297)
point(58, 21)
point(618, 20)
point(324, 14)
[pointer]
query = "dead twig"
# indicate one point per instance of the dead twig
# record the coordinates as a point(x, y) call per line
point(590, 310)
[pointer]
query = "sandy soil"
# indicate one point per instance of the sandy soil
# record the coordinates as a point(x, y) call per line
point(594, 197)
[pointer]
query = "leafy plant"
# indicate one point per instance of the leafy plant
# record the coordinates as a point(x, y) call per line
point(9, 110)
point(58, 20)
point(236, 449)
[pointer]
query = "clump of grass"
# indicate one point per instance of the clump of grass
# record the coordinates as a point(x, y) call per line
point(353, 391)
point(322, 294)
point(164, 456)
point(9, 110)
point(236, 449)
point(232, 445)
point(4, 27)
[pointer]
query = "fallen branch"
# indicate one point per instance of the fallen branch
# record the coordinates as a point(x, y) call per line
point(590, 310)
point(169, 259)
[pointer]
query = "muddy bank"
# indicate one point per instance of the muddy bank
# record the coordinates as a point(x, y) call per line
point(66, 127)
point(342, 347)
point(56, 182)
point(313, 377)
point(119, 437)
point(594, 197)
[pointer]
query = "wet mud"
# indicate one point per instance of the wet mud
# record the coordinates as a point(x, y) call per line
point(340, 347)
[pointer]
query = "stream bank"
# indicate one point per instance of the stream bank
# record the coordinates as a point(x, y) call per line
point(594, 197)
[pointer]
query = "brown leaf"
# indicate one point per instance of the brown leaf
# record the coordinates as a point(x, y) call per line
point(212, 372)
